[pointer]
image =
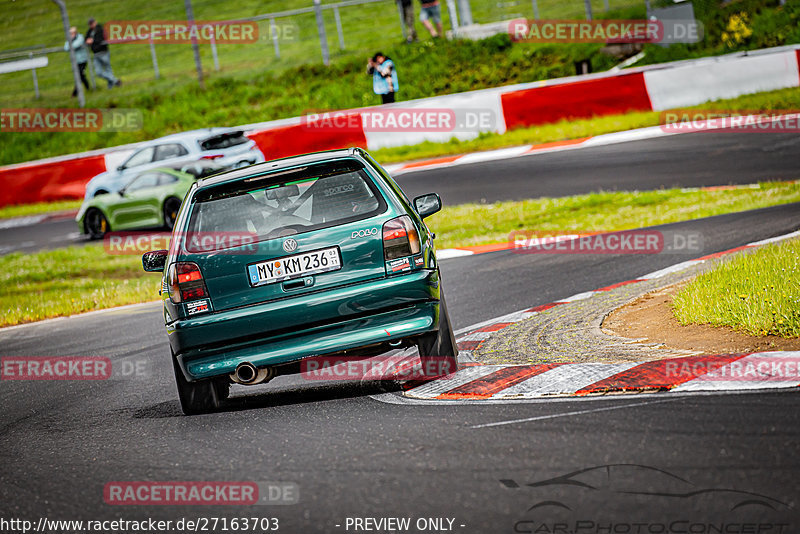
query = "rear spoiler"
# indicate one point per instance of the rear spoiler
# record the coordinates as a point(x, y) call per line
point(223, 135)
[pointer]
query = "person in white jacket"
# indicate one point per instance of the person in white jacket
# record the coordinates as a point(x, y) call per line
point(81, 56)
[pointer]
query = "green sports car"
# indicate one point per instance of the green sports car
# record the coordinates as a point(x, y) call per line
point(151, 199)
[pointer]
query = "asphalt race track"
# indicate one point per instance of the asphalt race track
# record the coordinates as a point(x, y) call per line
point(687, 160)
point(358, 450)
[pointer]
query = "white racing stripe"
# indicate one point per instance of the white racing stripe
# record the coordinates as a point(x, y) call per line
point(774, 239)
point(447, 253)
point(579, 296)
point(435, 388)
point(569, 414)
point(492, 155)
point(671, 269)
point(17, 222)
point(563, 380)
point(476, 336)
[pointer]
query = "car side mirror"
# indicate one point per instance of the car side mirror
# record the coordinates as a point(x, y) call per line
point(427, 204)
point(121, 192)
point(154, 261)
point(121, 168)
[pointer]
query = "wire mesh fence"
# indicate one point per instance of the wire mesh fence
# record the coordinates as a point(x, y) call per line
point(289, 33)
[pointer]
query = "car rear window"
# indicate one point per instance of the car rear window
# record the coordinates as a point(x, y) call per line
point(226, 140)
point(305, 201)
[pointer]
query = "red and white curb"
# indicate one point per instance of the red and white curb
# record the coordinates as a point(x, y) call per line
point(693, 373)
point(723, 372)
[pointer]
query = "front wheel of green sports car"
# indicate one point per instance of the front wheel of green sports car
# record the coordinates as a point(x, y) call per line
point(438, 351)
point(95, 224)
point(171, 207)
point(202, 396)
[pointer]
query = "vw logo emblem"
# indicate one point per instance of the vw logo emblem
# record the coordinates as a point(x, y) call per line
point(290, 245)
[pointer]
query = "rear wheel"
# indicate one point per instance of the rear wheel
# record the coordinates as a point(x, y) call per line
point(438, 351)
point(171, 207)
point(95, 224)
point(202, 396)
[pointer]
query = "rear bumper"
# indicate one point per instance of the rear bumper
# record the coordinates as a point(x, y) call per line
point(378, 311)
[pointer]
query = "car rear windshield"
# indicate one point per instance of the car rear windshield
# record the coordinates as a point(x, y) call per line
point(226, 140)
point(286, 203)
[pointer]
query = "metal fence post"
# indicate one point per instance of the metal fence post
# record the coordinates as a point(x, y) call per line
point(213, 44)
point(605, 4)
point(35, 82)
point(91, 74)
point(535, 9)
point(588, 7)
point(339, 26)
point(323, 38)
point(154, 57)
point(451, 9)
point(466, 12)
point(273, 29)
point(402, 19)
point(195, 49)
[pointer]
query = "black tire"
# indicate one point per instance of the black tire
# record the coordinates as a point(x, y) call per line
point(95, 224)
point(171, 207)
point(202, 396)
point(438, 351)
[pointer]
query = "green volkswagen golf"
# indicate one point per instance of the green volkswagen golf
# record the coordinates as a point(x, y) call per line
point(309, 256)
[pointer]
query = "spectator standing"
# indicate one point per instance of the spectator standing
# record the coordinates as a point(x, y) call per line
point(407, 7)
point(81, 56)
point(96, 39)
point(430, 13)
point(384, 77)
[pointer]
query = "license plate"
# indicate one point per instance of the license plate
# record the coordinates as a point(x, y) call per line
point(286, 268)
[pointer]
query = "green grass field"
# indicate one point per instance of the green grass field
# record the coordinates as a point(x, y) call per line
point(78, 279)
point(757, 293)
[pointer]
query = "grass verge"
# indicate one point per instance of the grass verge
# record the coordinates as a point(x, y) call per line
point(757, 293)
point(23, 210)
point(70, 280)
point(78, 279)
point(478, 224)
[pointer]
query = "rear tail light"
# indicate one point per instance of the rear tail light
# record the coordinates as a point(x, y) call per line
point(400, 238)
point(186, 282)
point(213, 156)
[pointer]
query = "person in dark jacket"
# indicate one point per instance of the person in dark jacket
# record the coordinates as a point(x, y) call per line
point(96, 40)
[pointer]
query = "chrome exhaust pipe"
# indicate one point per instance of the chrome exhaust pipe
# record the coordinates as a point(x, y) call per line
point(248, 374)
